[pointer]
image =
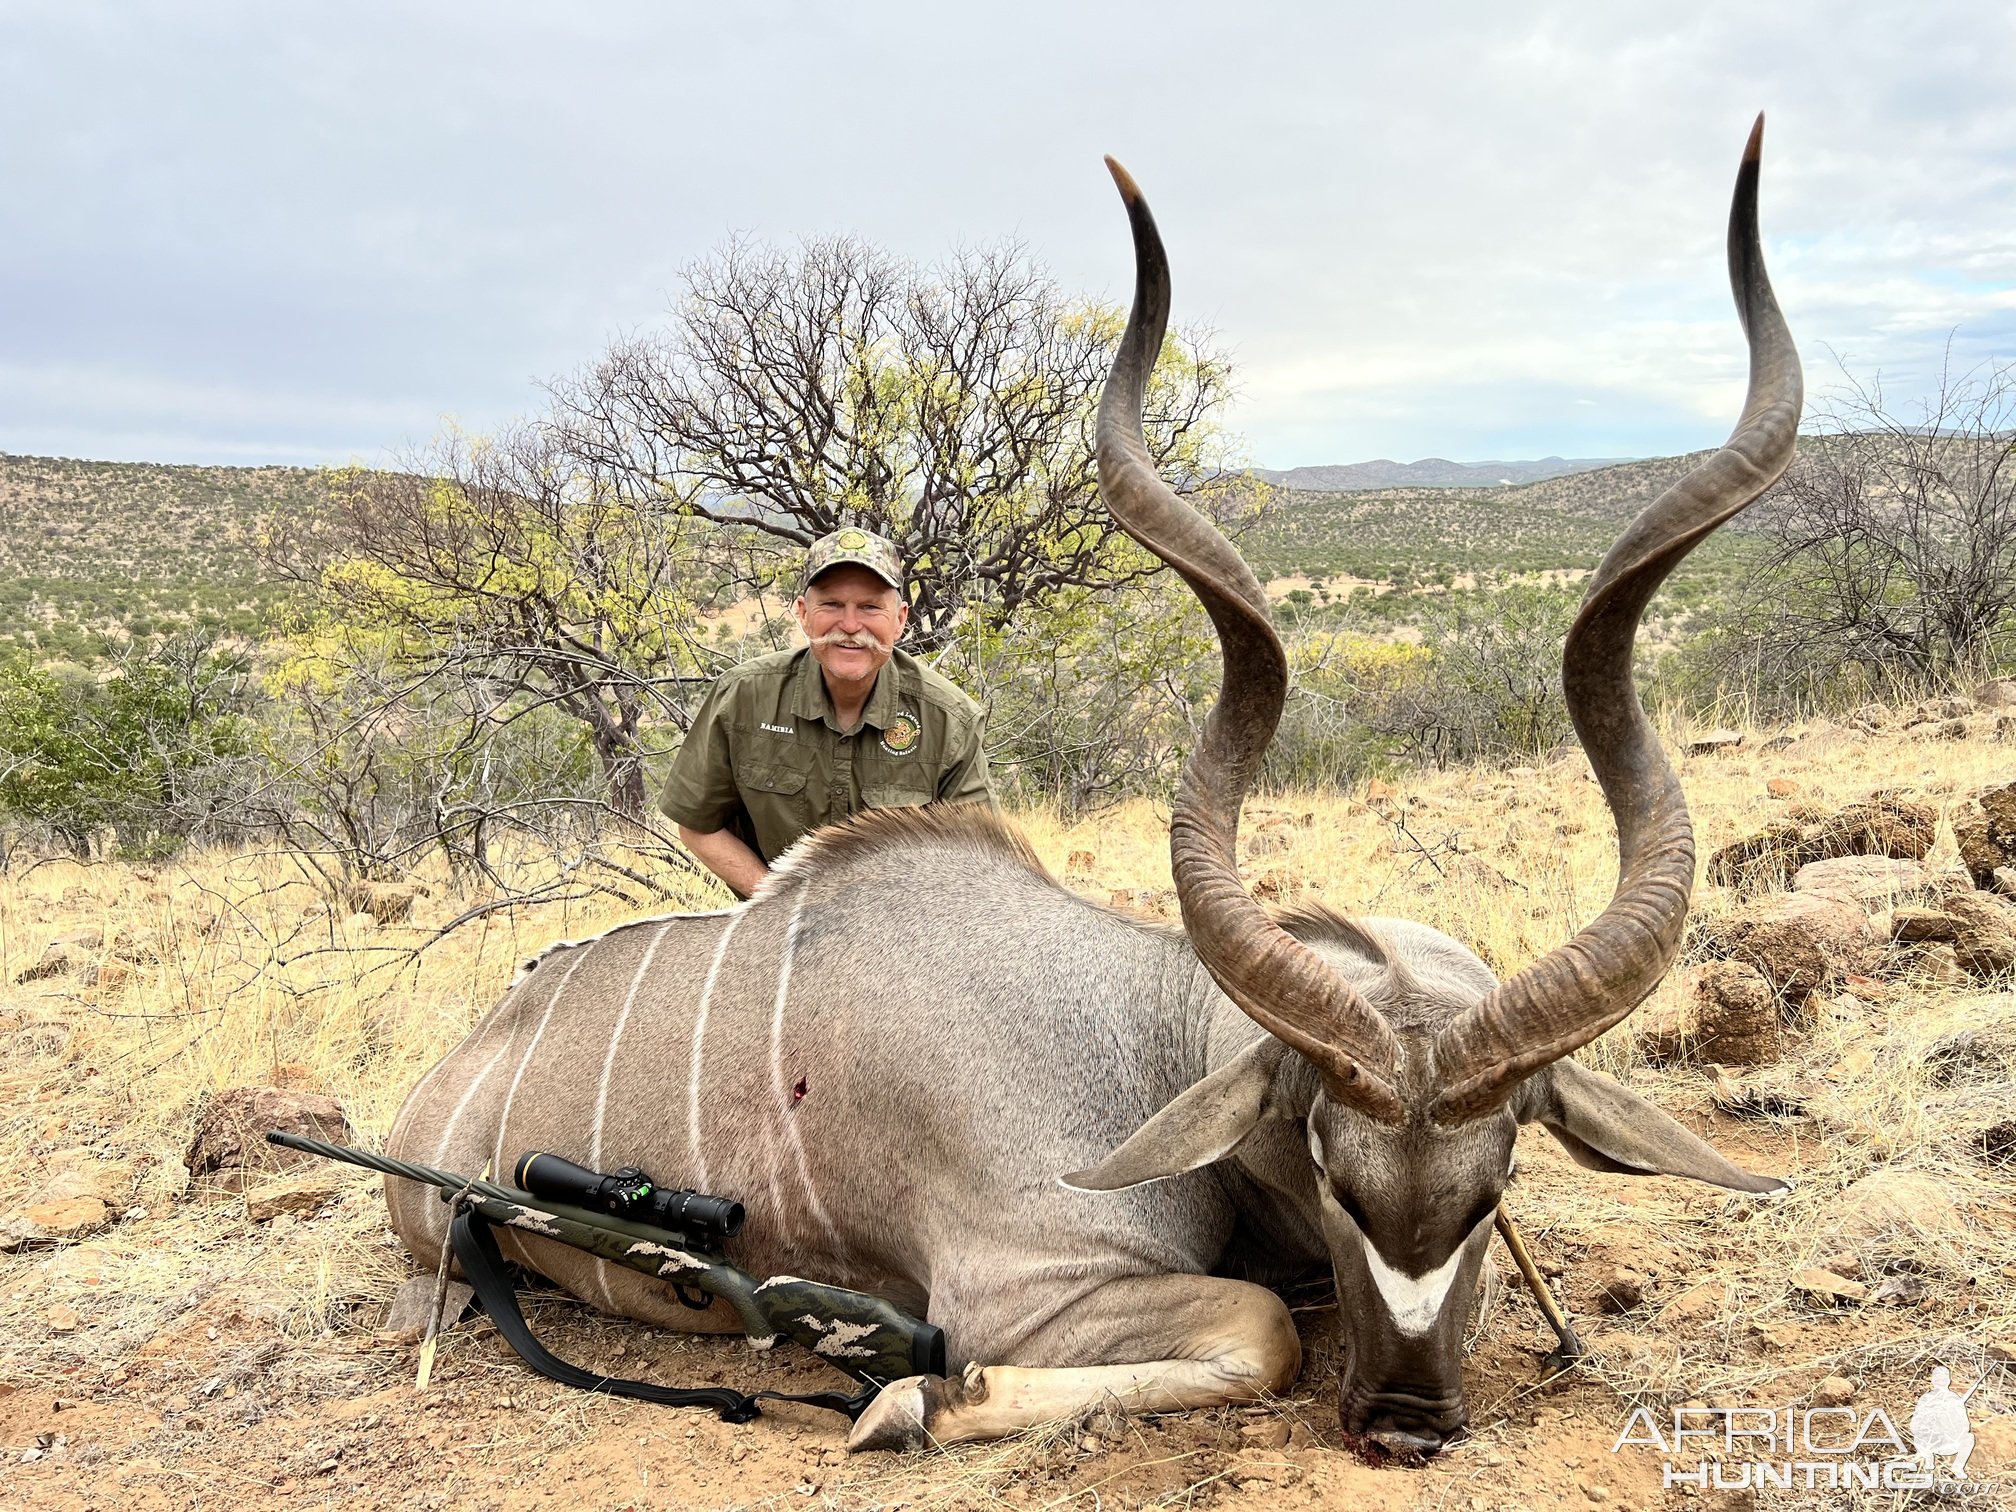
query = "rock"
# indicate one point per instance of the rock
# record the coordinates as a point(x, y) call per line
point(1835, 1391)
point(1937, 966)
point(1704, 1300)
point(385, 902)
point(1830, 1290)
point(1781, 787)
point(302, 1195)
point(229, 1150)
point(1270, 1434)
point(1984, 824)
point(1711, 741)
point(1994, 1447)
point(1922, 925)
point(71, 955)
point(1904, 1290)
point(53, 1222)
point(415, 1300)
point(1621, 1290)
point(1981, 930)
point(1999, 694)
point(1884, 824)
point(1736, 1015)
point(1896, 1205)
point(1875, 882)
point(63, 1319)
point(1800, 942)
point(2002, 881)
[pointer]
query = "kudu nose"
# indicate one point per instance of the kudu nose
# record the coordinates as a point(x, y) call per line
point(1403, 1425)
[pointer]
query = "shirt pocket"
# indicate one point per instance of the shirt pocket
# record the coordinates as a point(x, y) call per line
point(777, 780)
point(892, 795)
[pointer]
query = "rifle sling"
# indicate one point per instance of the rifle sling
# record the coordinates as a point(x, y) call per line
point(476, 1249)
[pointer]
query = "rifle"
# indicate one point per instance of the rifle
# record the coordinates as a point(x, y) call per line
point(868, 1338)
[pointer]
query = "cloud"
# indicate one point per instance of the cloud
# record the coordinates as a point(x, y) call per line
point(1467, 230)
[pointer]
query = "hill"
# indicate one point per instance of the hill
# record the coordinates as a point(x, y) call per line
point(1566, 522)
point(1429, 472)
point(98, 550)
point(90, 549)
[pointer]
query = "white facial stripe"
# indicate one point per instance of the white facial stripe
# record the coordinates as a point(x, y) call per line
point(1414, 1301)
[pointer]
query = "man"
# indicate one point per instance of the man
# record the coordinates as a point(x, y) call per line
point(786, 743)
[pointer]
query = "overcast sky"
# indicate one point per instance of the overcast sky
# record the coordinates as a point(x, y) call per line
point(318, 232)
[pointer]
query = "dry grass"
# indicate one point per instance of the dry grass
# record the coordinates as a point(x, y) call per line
point(230, 970)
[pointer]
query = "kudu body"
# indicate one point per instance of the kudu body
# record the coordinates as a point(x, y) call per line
point(1060, 1132)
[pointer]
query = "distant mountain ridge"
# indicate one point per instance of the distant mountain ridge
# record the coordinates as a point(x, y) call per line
point(1429, 472)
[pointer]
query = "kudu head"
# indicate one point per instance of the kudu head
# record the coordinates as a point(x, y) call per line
point(1417, 1099)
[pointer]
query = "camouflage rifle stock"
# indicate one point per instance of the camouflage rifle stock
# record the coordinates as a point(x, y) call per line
point(863, 1335)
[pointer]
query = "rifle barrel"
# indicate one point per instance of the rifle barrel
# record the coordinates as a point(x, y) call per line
point(446, 1180)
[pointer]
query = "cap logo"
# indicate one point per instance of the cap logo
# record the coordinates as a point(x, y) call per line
point(902, 734)
point(851, 540)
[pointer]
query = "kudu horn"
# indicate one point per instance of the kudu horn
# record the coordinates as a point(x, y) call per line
point(1276, 980)
point(1568, 997)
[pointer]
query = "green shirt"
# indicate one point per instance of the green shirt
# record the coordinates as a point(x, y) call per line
point(766, 759)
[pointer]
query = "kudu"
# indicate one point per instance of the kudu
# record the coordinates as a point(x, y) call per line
point(894, 1051)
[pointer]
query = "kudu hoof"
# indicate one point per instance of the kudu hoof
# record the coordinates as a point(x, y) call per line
point(896, 1418)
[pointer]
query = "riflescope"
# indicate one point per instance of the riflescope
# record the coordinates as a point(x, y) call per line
point(626, 1193)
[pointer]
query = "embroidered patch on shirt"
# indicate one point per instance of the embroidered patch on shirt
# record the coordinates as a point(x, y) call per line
point(902, 733)
point(781, 729)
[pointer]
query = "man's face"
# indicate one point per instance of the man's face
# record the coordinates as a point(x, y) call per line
point(852, 619)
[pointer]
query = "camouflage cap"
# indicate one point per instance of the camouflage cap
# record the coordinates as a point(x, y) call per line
point(864, 548)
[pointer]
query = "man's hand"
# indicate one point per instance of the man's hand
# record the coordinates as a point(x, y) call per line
point(727, 857)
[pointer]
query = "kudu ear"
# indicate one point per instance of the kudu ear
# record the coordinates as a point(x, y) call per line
point(1609, 1129)
point(1200, 1125)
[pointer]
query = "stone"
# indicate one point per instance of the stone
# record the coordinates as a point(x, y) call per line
point(385, 902)
point(1736, 1015)
point(304, 1195)
point(1271, 1434)
point(1711, 741)
point(1875, 882)
point(2002, 881)
point(1800, 942)
point(1999, 694)
point(1621, 1290)
point(1896, 1205)
point(1825, 1287)
point(414, 1300)
point(1835, 1391)
point(1984, 825)
point(1980, 929)
point(229, 1150)
point(1884, 824)
point(1704, 1300)
point(60, 1221)
point(1781, 787)
point(71, 955)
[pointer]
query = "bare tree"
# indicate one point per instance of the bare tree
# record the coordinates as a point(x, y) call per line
point(1893, 540)
point(950, 409)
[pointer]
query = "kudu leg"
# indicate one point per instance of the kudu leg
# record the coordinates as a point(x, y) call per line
point(1201, 1342)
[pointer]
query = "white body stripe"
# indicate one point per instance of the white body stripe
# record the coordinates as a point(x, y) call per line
point(786, 1109)
point(698, 1162)
point(615, 1039)
point(511, 1095)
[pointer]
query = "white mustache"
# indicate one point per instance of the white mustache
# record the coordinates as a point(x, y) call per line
point(859, 640)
